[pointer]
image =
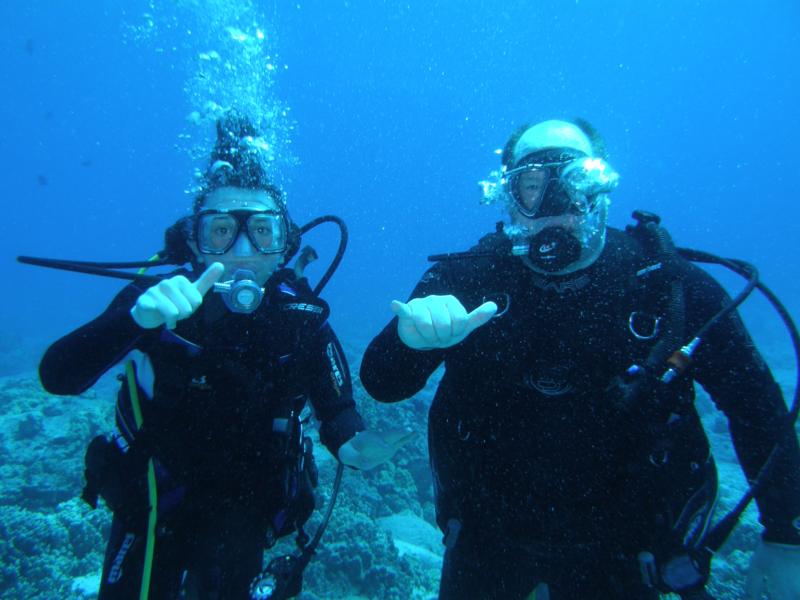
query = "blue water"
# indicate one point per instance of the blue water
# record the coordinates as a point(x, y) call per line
point(394, 112)
point(386, 114)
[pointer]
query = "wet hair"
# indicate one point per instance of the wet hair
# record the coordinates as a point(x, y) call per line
point(598, 144)
point(237, 160)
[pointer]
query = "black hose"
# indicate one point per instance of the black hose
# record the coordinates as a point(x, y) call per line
point(739, 267)
point(467, 255)
point(344, 236)
point(716, 537)
point(104, 269)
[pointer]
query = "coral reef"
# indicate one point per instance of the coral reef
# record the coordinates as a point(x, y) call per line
point(51, 542)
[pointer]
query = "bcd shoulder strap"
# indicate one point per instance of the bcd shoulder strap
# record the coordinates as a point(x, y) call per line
point(662, 277)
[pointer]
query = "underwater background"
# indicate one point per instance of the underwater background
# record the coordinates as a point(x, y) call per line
point(386, 114)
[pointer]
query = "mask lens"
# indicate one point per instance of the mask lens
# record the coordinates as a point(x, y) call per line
point(216, 233)
point(267, 231)
point(528, 189)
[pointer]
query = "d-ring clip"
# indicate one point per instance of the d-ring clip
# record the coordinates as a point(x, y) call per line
point(643, 326)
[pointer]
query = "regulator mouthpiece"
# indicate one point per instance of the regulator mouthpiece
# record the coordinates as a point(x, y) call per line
point(241, 294)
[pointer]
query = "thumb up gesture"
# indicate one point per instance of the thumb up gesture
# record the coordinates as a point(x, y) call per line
point(174, 299)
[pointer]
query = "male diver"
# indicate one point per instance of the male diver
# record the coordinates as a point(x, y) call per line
point(569, 460)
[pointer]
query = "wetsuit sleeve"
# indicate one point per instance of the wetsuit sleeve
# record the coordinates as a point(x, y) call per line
point(75, 362)
point(331, 392)
point(390, 370)
point(731, 369)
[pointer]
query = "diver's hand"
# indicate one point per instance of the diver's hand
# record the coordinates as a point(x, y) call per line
point(438, 321)
point(368, 449)
point(774, 572)
point(173, 299)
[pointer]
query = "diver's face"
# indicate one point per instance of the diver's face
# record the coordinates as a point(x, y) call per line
point(242, 255)
point(531, 187)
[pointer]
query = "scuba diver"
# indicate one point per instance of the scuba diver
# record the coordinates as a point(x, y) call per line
point(210, 464)
point(569, 460)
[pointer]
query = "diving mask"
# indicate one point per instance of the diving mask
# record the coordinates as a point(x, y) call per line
point(216, 231)
point(558, 181)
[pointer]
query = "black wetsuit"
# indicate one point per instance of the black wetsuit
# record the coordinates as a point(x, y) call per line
point(543, 471)
point(220, 402)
